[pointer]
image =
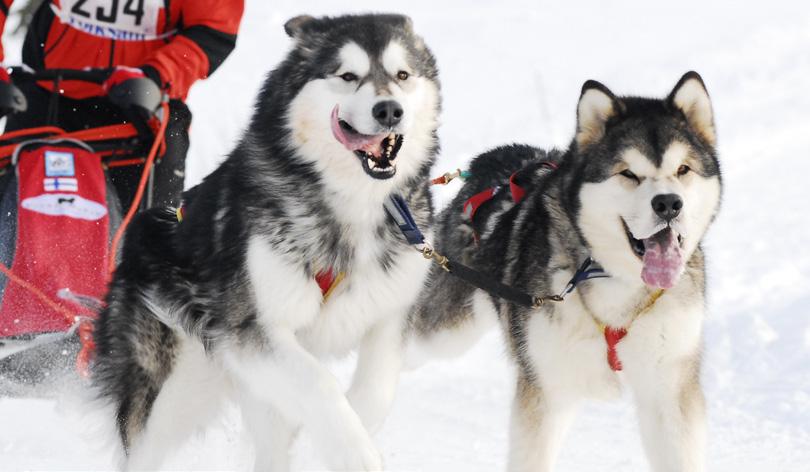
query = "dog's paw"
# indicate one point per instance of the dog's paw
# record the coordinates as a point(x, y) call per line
point(359, 455)
point(345, 445)
point(371, 407)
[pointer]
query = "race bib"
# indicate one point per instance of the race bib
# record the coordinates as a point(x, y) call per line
point(122, 20)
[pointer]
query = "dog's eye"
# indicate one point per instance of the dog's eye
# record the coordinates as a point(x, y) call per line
point(348, 77)
point(402, 75)
point(683, 170)
point(626, 173)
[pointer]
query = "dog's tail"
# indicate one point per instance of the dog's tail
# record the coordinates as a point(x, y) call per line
point(448, 320)
point(451, 315)
point(135, 340)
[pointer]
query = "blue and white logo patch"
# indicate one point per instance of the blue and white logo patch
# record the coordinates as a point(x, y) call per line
point(59, 164)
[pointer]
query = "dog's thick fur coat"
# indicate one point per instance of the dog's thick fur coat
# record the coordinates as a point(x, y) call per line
point(225, 304)
point(636, 191)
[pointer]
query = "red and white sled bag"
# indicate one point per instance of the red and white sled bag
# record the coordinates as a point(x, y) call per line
point(61, 245)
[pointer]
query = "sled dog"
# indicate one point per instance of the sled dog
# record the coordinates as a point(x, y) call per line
point(633, 196)
point(283, 256)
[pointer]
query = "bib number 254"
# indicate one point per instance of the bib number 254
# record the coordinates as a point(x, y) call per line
point(133, 8)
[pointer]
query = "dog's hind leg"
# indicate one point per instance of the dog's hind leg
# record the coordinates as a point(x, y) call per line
point(293, 381)
point(189, 399)
point(272, 434)
point(538, 426)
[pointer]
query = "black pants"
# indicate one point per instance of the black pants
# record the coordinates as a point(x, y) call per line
point(74, 115)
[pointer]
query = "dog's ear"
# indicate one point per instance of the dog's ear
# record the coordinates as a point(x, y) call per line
point(690, 97)
point(596, 106)
point(295, 26)
point(407, 23)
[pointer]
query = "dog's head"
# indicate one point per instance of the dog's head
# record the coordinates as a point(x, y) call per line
point(651, 179)
point(368, 98)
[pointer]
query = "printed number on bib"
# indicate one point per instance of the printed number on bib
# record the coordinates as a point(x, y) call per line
point(122, 20)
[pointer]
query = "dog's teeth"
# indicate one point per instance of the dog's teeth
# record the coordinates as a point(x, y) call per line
point(371, 164)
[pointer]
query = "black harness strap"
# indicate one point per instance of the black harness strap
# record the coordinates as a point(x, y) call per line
point(490, 285)
point(398, 210)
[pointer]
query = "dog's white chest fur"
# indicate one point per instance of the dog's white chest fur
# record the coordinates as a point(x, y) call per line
point(367, 294)
point(569, 352)
point(287, 297)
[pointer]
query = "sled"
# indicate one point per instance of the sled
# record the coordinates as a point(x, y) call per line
point(60, 226)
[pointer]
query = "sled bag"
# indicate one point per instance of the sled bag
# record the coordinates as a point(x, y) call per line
point(58, 241)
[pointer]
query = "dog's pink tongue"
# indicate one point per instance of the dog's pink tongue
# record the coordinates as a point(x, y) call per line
point(663, 261)
point(355, 141)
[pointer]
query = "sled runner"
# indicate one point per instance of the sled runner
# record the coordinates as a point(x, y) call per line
point(60, 223)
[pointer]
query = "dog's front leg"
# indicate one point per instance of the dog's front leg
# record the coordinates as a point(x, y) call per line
point(272, 434)
point(538, 426)
point(379, 361)
point(671, 413)
point(290, 379)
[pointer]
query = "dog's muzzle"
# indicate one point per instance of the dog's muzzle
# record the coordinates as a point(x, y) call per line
point(377, 153)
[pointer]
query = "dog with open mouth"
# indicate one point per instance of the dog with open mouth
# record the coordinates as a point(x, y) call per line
point(376, 153)
point(614, 225)
point(284, 256)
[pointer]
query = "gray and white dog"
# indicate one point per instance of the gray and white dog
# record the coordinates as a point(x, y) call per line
point(283, 256)
point(635, 192)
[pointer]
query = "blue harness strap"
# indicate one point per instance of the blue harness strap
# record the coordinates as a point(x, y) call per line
point(398, 210)
point(585, 272)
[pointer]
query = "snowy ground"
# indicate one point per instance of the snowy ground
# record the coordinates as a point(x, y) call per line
point(512, 72)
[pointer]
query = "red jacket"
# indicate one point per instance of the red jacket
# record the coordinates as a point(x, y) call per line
point(175, 42)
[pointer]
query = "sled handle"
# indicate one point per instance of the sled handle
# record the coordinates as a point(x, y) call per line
point(22, 74)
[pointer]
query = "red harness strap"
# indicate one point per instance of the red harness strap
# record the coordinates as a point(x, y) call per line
point(325, 279)
point(328, 280)
point(612, 337)
point(517, 191)
point(473, 203)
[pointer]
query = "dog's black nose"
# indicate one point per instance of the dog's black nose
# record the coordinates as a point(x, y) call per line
point(667, 205)
point(387, 113)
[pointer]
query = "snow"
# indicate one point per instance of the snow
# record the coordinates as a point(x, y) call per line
point(512, 73)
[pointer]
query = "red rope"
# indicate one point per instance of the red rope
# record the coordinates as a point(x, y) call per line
point(150, 160)
point(69, 316)
point(86, 329)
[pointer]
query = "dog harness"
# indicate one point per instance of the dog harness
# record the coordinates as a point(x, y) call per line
point(614, 335)
point(473, 203)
